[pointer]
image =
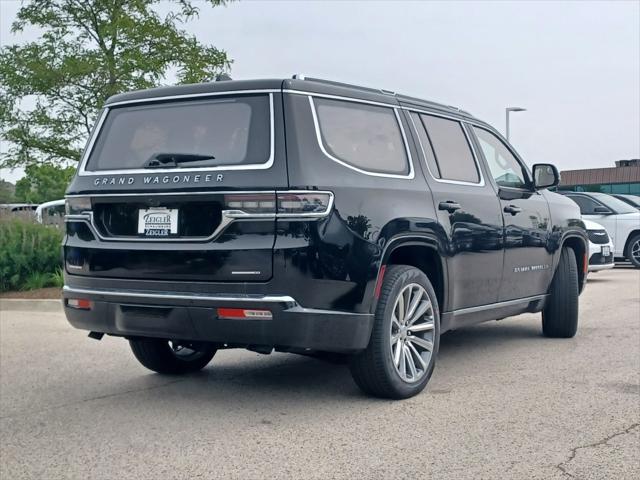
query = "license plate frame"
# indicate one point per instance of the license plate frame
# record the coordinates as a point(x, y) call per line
point(605, 250)
point(158, 222)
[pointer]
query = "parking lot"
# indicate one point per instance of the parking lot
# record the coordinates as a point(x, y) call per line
point(504, 402)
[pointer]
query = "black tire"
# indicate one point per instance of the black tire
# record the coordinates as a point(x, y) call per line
point(373, 369)
point(159, 356)
point(634, 243)
point(560, 314)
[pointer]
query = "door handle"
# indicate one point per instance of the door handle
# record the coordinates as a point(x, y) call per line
point(512, 209)
point(450, 206)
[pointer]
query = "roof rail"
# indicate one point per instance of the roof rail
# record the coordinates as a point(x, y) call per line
point(299, 76)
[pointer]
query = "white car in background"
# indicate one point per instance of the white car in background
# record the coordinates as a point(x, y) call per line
point(50, 213)
point(600, 247)
point(621, 220)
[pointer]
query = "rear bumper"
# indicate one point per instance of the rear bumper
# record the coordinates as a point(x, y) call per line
point(188, 316)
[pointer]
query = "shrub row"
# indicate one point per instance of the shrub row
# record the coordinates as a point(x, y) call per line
point(30, 255)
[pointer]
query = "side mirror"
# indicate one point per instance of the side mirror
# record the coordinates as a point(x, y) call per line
point(545, 175)
point(602, 210)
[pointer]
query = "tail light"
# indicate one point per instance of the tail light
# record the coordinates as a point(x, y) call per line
point(244, 314)
point(77, 205)
point(283, 204)
point(305, 204)
point(79, 303)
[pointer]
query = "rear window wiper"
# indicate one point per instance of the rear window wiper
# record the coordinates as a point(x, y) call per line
point(173, 159)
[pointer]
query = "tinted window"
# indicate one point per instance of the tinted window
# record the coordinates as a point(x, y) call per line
point(425, 143)
point(614, 203)
point(505, 168)
point(586, 204)
point(451, 149)
point(233, 130)
point(364, 136)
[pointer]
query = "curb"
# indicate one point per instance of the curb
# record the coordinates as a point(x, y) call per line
point(30, 305)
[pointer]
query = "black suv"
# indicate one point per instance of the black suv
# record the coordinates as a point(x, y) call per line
point(312, 217)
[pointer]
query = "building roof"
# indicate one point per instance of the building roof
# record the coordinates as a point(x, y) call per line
point(593, 176)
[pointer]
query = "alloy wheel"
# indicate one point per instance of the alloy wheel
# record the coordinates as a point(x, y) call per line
point(412, 333)
point(635, 251)
point(184, 351)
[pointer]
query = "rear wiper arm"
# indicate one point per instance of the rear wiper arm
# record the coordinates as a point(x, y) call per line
point(173, 159)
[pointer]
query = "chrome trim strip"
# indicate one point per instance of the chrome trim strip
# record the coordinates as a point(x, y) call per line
point(490, 306)
point(194, 95)
point(340, 97)
point(291, 304)
point(481, 183)
point(316, 125)
point(150, 194)
point(438, 114)
point(257, 166)
point(228, 216)
point(186, 296)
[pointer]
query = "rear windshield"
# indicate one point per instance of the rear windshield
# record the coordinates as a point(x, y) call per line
point(187, 134)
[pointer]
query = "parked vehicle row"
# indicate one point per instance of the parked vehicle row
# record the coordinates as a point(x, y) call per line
point(620, 219)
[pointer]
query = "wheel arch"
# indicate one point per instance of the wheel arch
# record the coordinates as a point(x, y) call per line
point(578, 245)
point(421, 252)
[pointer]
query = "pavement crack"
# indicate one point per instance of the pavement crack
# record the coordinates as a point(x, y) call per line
point(574, 451)
point(97, 397)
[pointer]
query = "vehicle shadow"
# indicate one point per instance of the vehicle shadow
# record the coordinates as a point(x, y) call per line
point(309, 379)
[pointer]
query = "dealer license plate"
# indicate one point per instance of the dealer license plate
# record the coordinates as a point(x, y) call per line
point(158, 222)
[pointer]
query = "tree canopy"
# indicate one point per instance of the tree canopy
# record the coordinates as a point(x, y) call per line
point(43, 183)
point(52, 89)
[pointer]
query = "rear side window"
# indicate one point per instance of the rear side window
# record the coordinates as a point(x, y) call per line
point(234, 131)
point(586, 204)
point(367, 137)
point(451, 148)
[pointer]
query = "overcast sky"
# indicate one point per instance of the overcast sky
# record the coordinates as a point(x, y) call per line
point(575, 66)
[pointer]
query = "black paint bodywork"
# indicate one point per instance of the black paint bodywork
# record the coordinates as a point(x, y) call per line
point(477, 256)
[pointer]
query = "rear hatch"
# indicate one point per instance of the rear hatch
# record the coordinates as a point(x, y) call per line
point(180, 189)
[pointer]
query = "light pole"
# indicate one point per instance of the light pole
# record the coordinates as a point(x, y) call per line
point(508, 110)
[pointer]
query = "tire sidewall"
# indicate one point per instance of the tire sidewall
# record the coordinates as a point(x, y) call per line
point(633, 261)
point(384, 312)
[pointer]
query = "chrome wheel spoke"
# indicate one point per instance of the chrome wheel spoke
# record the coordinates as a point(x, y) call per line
point(413, 303)
point(410, 362)
point(400, 308)
point(422, 327)
point(396, 355)
point(417, 355)
point(420, 312)
point(421, 342)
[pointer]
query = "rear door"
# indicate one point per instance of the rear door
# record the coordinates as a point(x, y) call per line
point(181, 189)
point(527, 222)
point(467, 208)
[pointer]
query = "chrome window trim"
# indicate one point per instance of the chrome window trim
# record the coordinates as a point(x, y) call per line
point(228, 216)
point(480, 183)
point(339, 97)
point(511, 150)
point(193, 95)
point(316, 125)
point(82, 172)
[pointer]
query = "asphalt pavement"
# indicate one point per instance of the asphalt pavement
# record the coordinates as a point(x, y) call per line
point(504, 402)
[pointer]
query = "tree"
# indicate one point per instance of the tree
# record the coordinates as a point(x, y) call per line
point(7, 190)
point(43, 183)
point(51, 90)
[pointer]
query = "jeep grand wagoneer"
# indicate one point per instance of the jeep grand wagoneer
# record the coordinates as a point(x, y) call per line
point(309, 216)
